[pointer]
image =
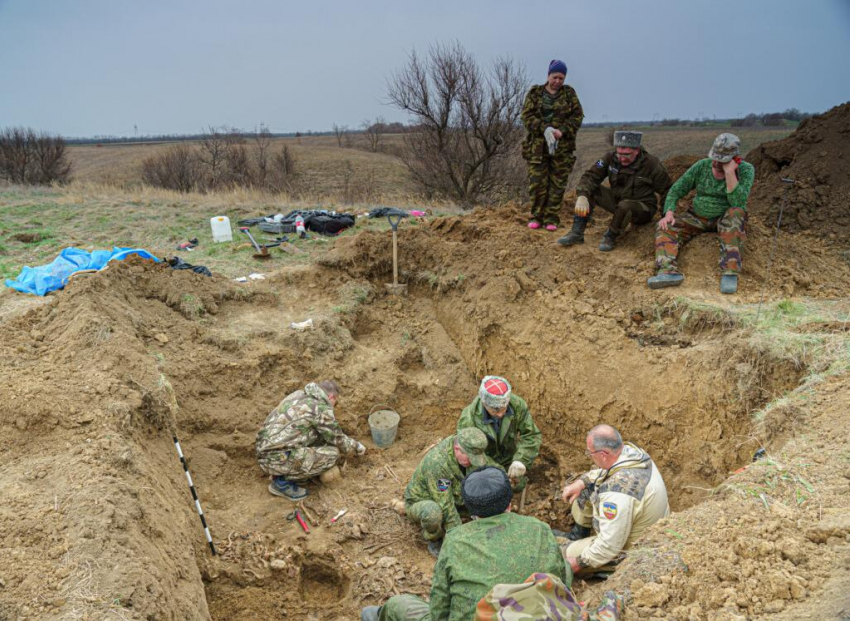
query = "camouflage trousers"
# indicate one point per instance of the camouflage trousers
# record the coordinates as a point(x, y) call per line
point(299, 464)
point(429, 516)
point(547, 180)
point(624, 211)
point(405, 608)
point(730, 227)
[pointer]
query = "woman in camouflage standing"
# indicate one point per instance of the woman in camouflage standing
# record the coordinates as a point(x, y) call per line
point(552, 116)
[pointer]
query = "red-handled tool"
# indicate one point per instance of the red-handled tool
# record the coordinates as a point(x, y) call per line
point(296, 515)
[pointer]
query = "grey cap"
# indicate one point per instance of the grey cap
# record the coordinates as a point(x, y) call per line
point(486, 491)
point(725, 147)
point(627, 139)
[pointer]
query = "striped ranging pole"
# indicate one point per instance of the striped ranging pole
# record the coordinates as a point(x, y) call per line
point(194, 494)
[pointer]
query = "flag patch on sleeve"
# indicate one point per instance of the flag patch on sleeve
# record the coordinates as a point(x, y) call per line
point(609, 510)
point(443, 484)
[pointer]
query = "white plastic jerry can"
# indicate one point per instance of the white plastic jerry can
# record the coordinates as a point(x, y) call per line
point(221, 229)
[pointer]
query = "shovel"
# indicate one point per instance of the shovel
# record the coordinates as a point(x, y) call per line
point(395, 288)
point(262, 251)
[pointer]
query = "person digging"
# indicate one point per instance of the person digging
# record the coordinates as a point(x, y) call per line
point(723, 183)
point(496, 547)
point(634, 176)
point(513, 440)
point(301, 439)
point(433, 497)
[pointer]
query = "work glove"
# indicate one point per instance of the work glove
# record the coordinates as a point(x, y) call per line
point(359, 449)
point(551, 141)
point(516, 470)
point(582, 207)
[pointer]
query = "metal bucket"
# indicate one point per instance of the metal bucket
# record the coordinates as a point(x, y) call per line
point(384, 425)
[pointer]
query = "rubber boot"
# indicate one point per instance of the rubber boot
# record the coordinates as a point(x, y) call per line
point(576, 235)
point(728, 283)
point(665, 280)
point(434, 547)
point(607, 243)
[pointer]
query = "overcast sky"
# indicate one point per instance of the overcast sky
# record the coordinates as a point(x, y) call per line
point(90, 67)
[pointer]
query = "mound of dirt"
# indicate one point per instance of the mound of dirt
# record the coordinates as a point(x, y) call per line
point(814, 156)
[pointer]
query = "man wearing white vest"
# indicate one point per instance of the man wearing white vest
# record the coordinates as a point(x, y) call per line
point(620, 498)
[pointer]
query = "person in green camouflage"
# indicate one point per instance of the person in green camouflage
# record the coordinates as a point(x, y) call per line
point(723, 183)
point(552, 116)
point(301, 439)
point(496, 547)
point(543, 596)
point(634, 177)
point(513, 440)
point(433, 495)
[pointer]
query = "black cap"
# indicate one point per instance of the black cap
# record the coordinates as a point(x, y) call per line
point(486, 491)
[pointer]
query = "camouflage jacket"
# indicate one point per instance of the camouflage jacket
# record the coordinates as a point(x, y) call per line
point(712, 199)
point(627, 499)
point(438, 477)
point(518, 438)
point(568, 116)
point(303, 418)
point(502, 549)
point(543, 596)
point(640, 181)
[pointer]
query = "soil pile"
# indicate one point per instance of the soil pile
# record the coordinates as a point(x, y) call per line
point(816, 156)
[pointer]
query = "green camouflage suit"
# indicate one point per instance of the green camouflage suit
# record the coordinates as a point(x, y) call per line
point(518, 438)
point(502, 549)
point(713, 209)
point(433, 495)
point(632, 188)
point(548, 174)
point(301, 438)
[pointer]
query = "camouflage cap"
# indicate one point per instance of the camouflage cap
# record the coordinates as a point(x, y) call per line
point(725, 147)
point(627, 139)
point(474, 443)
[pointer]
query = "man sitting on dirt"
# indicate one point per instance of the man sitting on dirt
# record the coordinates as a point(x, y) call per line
point(433, 495)
point(723, 182)
point(302, 439)
point(634, 176)
point(496, 547)
point(513, 440)
point(622, 497)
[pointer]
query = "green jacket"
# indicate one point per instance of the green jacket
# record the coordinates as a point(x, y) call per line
point(438, 477)
point(518, 438)
point(502, 549)
point(640, 181)
point(712, 199)
point(567, 117)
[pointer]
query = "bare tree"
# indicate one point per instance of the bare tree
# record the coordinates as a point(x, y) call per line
point(342, 135)
point(467, 121)
point(32, 158)
point(176, 169)
point(213, 154)
point(284, 169)
point(262, 145)
point(374, 132)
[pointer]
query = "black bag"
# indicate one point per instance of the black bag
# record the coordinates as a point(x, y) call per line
point(328, 224)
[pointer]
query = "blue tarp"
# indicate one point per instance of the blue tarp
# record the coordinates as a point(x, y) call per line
point(43, 279)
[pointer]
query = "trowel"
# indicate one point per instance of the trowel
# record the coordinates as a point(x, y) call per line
point(262, 252)
point(394, 220)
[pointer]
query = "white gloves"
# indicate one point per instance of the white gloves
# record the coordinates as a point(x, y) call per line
point(551, 141)
point(516, 470)
point(359, 448)
point(582, 206)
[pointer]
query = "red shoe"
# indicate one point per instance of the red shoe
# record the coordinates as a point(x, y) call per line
point(534, 224)
point(551, 227)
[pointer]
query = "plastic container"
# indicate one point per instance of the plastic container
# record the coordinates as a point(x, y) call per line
point(221, 231)
point(299, 226)
point(384, 425)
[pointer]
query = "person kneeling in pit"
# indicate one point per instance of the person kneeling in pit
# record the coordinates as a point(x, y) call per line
point(622, 497)
point(433, 496)
point(302, 439)
point(496, 547)
point(513, 440)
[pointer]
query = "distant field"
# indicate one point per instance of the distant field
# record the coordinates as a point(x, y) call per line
point(331, 173)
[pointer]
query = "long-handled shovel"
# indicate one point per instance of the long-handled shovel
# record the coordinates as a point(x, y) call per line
point(395, 288)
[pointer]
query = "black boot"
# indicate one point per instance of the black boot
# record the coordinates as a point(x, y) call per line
point(579, 532)
point(576, 235)
point(608, 239)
